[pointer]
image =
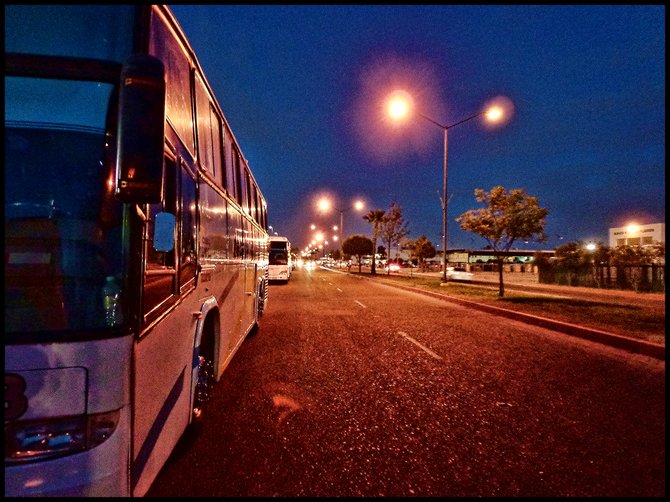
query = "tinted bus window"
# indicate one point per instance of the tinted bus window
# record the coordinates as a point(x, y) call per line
point(159, 280)
point(187, 259)
point(178, 82)
point(209, 136)
point(107, 34)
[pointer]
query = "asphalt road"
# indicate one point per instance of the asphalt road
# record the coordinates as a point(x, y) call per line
point(353, 388)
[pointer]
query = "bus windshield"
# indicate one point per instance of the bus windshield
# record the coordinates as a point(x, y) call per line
point(278, 257)
point(57, 30)
point(63, 238)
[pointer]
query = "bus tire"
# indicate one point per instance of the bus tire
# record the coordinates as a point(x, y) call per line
point(260, 300)
point(204, 384)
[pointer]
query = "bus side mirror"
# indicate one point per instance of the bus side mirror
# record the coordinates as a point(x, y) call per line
point(141, 131)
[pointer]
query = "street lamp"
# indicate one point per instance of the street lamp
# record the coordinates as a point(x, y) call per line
point(400, 104)
point(325, 205)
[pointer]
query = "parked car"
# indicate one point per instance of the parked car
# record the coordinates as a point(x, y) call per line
point(395, 264)
point(459, 274)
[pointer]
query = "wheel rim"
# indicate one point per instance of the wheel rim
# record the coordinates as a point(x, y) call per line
point(261, 302)
point(203, 385)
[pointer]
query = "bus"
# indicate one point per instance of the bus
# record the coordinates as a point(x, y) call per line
point(136, 247)
point(280, 259)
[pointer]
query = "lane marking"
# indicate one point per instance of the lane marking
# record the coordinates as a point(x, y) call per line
point(360, 304)
point(339, 290)
point(422, 347)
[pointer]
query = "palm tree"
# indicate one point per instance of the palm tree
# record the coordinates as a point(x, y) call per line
point(375, 217)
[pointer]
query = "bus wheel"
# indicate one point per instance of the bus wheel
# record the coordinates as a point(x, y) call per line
point(260, 300)
point(203, 386)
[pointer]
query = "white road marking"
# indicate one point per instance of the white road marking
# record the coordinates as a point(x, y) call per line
point(339, 290)
point(422, 347)
point(360, 304)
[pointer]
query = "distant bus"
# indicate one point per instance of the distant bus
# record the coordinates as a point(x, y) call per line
point(135, 246)
point(280, 259)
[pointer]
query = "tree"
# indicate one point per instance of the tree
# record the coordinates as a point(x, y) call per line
point(639, 255)
point(393, 228)
point(376, 217)
point(574, 264)
point(421, 249)
point(359, 246)
point(577, 264)
point(506, 218)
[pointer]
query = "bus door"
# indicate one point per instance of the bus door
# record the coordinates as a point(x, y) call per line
point(164, 351)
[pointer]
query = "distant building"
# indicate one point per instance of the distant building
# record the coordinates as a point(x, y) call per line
point(472, 256)
point(637, 235)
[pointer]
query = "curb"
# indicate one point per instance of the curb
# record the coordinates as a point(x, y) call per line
point(631, 344)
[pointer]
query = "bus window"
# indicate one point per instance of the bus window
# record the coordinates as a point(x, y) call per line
point(187, 258)
point(235, 233)
point(240, 186)
point(159, 280)
point(209, 148)
point(178, 81)
point(213, 224)
point(217, 150)
point(254, 202)
point(224, 158)
point(232, 159)
point(251, 196)
point(263, 215)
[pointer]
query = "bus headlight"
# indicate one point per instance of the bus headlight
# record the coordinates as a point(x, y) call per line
point(38, 439)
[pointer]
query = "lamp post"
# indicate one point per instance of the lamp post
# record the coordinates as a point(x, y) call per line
point(399, 105)
point(324, 204)
point(358, 205)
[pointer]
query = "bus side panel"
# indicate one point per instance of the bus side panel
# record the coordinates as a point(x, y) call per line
point(228, 283)
point(74, 379)
point(223, 273)
point(163, 384)
point(250, 286)
point(162, 388)
point(165, 355)
point(240, 305)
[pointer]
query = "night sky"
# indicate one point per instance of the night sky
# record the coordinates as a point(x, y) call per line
point(304, 88)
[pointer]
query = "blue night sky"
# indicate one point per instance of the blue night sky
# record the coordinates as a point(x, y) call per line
point(303, 88)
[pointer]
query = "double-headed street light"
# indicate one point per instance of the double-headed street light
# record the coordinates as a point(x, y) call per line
point(399, 106)
point(325, 205)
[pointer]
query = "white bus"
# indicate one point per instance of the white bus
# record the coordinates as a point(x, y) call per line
point(135, 246)
point(280, 259)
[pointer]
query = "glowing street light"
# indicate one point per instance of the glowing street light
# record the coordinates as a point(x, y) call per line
point(633, 228)
point(324, 205)
point(399, 106)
